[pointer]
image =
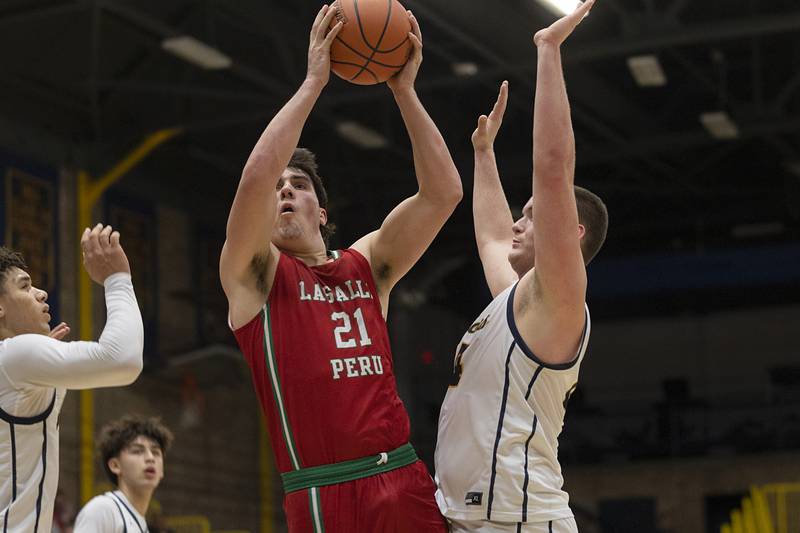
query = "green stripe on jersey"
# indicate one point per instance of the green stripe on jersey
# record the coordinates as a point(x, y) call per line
point(272, 369)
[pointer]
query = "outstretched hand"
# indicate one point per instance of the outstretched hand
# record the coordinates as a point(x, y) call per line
point(319, 45)
point(484, 135)
point(558, 31)
point(102, 253)
point(59, 332)
point(408, 74)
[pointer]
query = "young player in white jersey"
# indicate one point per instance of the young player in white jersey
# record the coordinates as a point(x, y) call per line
point(132, 450)
point(37, 368)
point(497, 454)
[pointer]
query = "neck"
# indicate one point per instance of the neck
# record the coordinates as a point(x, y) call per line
point(312, 256)
point(139, 498)
point(5, 333)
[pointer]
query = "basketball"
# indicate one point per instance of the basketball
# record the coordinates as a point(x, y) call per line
point(373, 43)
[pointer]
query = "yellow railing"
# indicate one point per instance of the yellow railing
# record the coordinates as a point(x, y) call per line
point(195, 524)
point(773, 508)
point(188, 524)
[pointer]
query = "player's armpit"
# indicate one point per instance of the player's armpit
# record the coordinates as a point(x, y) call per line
point(551, 329)
point(402, 238)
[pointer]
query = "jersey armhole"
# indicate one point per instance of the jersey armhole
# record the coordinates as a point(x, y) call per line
point(512, 324)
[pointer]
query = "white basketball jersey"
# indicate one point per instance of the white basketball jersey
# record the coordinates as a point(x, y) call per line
point(29, 461)
point(110, 513)
point(497, 451)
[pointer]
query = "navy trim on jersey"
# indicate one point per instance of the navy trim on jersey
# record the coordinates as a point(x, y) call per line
point(499, 431)
point(121, 501)
point(13, 473)
point(44, 474)
point(121, 515)
point(550, 526)
point(512, 324)
point(527, 445)
point(527, 477)
point(13, 462)
point(29, 420)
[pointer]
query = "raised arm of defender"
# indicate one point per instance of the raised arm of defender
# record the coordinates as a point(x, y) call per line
point(116, 359)
point(254, 210)
point(549, 306)
point(411, 226)
point(490, 211)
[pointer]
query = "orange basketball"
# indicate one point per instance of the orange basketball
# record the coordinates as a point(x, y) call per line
point(373, 43)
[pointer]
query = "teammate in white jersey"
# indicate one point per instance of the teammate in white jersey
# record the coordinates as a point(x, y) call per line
point(497, 454)
point(36, 369)
point(133, 450)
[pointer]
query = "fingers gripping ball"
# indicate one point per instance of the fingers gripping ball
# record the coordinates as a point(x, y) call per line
point(373, 44)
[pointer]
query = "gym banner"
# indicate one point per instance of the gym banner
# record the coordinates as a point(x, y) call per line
point(28, 215)
point(136, 222)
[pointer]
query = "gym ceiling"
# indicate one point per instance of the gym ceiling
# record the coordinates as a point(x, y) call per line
point(83, 82)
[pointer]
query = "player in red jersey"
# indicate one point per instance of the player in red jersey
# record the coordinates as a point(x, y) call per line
point(311, 322)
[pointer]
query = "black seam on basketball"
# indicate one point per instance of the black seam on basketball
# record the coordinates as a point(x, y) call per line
point(362, 56)
point(383, 34)
point(363, 70)
point(390, 50)
point(356, 65)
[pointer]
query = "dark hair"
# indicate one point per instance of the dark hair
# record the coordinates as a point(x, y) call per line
point(117, 435)
point(9, 259)
point(593, 215)
point(305, 161)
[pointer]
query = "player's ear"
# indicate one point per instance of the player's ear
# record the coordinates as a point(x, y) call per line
point(114, 466)
point(323, 216)
point(581, 231)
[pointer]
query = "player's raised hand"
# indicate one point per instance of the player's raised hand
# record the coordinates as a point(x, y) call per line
point(102, 253)
point(558, 31)
point(319, 45)
point(484, 135)
point(60, 331)
point(408, 74)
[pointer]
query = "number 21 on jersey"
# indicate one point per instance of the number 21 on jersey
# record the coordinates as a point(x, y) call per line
point(343, 334)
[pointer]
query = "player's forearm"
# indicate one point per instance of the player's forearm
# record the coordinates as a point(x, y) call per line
point(490, 211)
point(122, 340)
point(437, 176)
point(553, 138)
point(274, 148)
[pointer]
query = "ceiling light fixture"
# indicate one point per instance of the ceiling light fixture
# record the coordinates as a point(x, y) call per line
point(561, 7)
point(720, 125)
point(647, 71)
point(465, 69)
point(196, 52)
point(361, 135)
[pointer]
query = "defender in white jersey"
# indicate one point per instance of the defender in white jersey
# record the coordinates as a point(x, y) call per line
point(132, 450)
point(37, 368)
point(497, 454)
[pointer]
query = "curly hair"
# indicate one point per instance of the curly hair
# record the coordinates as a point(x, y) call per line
point(117, 435)
point(9, 259)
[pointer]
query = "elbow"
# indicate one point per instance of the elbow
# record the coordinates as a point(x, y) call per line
point(131, 370)
point(455, 195)
point(444, 199)
point(258, 166)
point(556, 159)
point(132, 362)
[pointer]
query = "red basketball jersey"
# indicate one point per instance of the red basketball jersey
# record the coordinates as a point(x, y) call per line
point(322, 365)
